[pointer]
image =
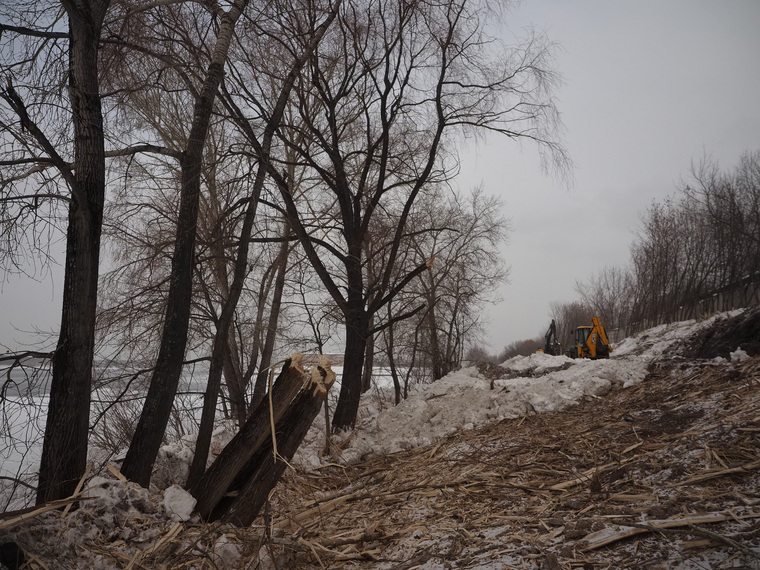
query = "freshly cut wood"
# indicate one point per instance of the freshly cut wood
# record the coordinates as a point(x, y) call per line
point(258, 478)
point(238, 483)
point(10, 519)
point(584, 478)
point(226, 468)
point(746, 468)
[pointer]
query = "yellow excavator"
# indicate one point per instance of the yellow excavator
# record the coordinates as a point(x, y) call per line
point(590, 342)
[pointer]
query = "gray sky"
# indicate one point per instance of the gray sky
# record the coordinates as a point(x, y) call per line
point(650, 85)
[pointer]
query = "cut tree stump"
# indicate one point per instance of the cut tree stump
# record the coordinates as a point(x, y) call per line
point(238, 482)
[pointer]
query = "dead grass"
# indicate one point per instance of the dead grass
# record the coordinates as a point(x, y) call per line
point(665, 474)
point(557, 490)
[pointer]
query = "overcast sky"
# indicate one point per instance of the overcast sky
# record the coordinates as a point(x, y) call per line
point(650, 85)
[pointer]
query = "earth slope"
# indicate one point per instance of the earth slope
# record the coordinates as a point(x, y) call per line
point(648, 460)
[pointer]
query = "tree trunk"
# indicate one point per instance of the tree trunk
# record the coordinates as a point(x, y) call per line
point(64, 450)
point(258, 391)
point(149, 433)
point(233, 376)
point(237, 454)
point(390, 347)
point(436, 355)
point(357, 323)
point(274, 313)
point(369, 358)
point(263, 472)
point(344, 417)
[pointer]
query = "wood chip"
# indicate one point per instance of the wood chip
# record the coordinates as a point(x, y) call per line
point(115, 472)
point(631, 498)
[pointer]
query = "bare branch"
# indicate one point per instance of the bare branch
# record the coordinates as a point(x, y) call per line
point(31, 32)
point(13, 99)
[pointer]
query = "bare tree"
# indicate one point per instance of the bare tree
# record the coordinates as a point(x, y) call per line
point(385, 90)
point(731, 203)
point(697, 243)
point(64, 451)
point(146, 441)
point(673, 260)
point(524, 347)
point(608, 293)
point(464, 237)
point(567, 317)
point(263, 148)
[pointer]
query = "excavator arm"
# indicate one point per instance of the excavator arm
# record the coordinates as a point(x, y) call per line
point(590, 341)
point(599, 346)
point(552, 345)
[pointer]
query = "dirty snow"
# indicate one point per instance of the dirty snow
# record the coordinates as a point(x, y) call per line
point(739, 355)
point(179, 504)
point(464, 399)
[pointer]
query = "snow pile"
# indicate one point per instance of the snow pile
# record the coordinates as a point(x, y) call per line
point(112, 500)
point(122, 521)
point(178, 503)
point(537, 364)
point(464, 399)
point(173, 462)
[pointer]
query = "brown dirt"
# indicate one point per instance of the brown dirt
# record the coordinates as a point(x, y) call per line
point(741, 331)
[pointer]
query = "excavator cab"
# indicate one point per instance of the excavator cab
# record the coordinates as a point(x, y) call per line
point(590, 342)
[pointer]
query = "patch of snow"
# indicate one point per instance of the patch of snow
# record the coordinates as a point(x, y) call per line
point(226, 554)
point(172, 465)
point(739, 355)
point(111, 496)
point(179, 504)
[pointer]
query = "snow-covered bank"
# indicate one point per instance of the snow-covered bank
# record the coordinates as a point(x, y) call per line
point(466, 399)
point(518, 493)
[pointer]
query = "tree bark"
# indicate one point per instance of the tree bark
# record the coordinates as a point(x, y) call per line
point(64, 450)
point(237, 454)
point(369, 358)
point(149, 433)
point(344, 417)
point(267, 468)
